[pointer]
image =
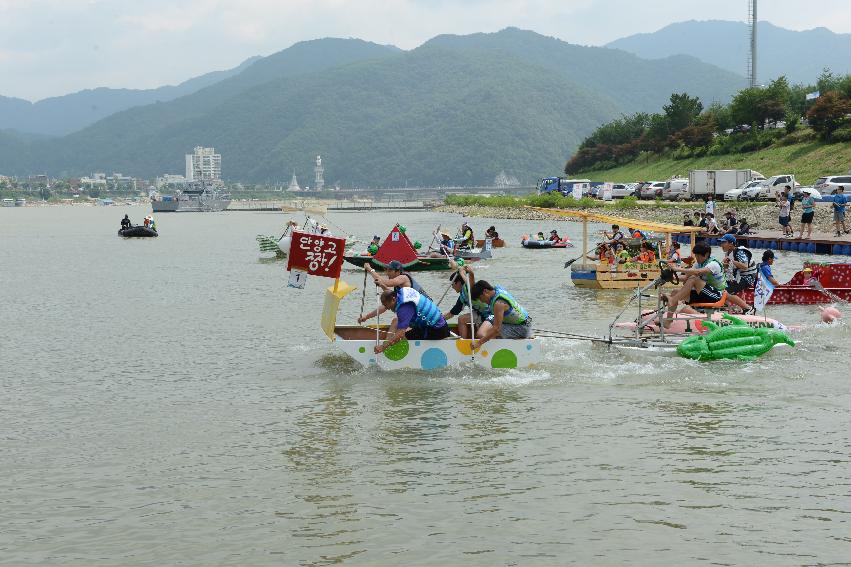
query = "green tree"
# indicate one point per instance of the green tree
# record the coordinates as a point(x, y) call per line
point(828, 113)
point(717, 116)
point(682, 111)
point(827, 81)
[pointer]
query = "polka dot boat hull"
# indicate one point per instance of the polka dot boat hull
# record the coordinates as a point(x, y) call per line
point(434, 355)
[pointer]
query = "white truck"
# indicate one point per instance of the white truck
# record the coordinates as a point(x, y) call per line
point(716, 182)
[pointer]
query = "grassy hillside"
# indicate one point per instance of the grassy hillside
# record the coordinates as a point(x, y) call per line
point(807, 161)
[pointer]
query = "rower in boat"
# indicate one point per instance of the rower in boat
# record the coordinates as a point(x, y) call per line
point(740, 270)
point(507, 319)
point(125, 222)
point(616, 235)
point(491, 233)
point(646, 256)
point(459, 279)
point(706, 283)
point(397, 278)
point(765, 267)
point(540, 237)
point(417, 318)
point(467, 240)
point(554, 237)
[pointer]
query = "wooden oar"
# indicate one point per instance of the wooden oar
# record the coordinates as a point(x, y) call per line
point(815, 284)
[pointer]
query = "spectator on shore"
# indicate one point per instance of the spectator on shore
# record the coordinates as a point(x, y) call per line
point(839, 201)
point(808, 204)
point(710, 206)
point(785, 213)
point(687, 220)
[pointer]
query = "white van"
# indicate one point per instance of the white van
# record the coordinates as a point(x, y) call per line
point(675, 190)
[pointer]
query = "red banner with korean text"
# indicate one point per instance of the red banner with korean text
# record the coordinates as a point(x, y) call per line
point(316, 254)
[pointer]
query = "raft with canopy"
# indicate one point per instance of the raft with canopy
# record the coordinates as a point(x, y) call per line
point(593, 274)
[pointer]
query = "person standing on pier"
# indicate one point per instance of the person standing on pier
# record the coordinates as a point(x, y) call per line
point(785, 213)
point(839, 201)
point(808, 204)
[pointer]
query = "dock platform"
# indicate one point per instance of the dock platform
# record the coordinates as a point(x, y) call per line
point(820, 243)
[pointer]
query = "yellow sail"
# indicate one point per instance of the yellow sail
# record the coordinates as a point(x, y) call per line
point(333, 295)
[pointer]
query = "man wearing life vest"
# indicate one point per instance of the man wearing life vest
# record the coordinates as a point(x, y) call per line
point(396, 279)
point(706, 282)
point(417, 318)
point(740, 270)
point(459, 279)
point(507, 319)
point(647, 255)
point(467, 238)
point(616, 235)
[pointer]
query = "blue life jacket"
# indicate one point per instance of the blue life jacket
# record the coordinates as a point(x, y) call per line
point(428, 314)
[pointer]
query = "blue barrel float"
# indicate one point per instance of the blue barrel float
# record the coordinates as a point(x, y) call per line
point(811, 247)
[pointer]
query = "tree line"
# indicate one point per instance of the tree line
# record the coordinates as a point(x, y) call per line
point(748, 123)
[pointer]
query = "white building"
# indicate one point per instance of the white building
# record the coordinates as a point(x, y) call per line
point(203, 164)
point(168, 179)
point(319, 171)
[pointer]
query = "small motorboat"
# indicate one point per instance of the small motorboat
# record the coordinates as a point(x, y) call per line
point(137, 232)
point(526, 242)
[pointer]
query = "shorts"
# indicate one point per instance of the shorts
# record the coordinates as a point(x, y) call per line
point(839, 215)
point(744, 283)
point(427, 333)
point(707, 295)
point(807, 218)
point(784, 221)
point(523, 331)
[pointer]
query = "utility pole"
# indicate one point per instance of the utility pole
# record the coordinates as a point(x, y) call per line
point(752, 20)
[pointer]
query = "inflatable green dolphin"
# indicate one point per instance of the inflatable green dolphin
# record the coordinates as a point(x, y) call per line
point(736, 341)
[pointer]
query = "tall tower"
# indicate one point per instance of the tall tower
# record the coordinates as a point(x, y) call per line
point(752, 20)
point(319, 182)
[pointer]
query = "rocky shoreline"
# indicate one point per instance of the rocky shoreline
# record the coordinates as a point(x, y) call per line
point(760, 217)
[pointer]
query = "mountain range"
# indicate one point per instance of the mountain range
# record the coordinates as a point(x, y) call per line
point(57, 116)
point(458, 109)
point(799, 55)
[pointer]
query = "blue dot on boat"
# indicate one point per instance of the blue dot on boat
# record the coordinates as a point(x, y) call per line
point(529, 347)
point(416, 343)
point(433, 358)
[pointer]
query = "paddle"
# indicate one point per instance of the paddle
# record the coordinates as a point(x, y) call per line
point(815, 284)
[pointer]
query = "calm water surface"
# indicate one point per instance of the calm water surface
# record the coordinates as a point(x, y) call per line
point(171, 402)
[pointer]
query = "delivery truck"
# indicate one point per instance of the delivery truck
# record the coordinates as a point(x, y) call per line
point(716, 182)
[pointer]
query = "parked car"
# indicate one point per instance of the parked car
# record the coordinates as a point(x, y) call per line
point(774, 185)
point(652, 190)
point(827, 185)
point(798, 193)
point(744, 191)
point(620, 190)
point(675, 190)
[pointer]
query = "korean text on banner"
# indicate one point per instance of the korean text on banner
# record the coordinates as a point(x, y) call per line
point(316, 254)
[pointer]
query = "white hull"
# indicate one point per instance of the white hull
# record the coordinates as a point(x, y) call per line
point(433, 355)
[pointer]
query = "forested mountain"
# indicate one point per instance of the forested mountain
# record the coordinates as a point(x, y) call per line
point(799, 55)
point(60, 115)
point(458, 109)
point(635, 84)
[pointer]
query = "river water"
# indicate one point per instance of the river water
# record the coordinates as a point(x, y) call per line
point(170, 401)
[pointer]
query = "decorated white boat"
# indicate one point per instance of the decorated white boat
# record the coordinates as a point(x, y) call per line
point(359, 343)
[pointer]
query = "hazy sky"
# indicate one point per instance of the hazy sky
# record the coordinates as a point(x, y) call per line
point(53, 47)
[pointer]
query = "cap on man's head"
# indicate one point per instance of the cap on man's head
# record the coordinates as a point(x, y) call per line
point(395, 265)
point(554, 231)
point(728, 238)
point(808, 191)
